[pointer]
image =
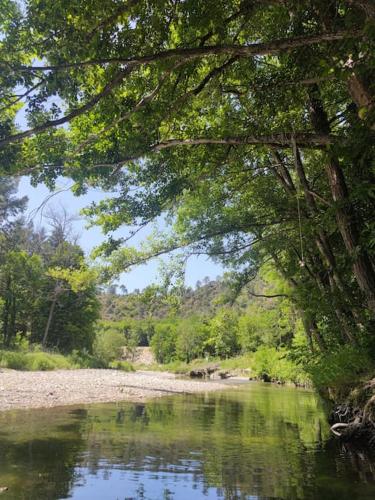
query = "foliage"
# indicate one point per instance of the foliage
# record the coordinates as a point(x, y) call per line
point(248, 126)
point(108, 345)
point(222, 340)
point(83, 359)
point(275, 365)
point(124, 366)
point(33, 361)
point(342, 367)
point(191, 338)
point(163, 342)
point(47, 291)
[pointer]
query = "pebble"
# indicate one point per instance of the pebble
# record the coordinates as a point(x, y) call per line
point(69, 387)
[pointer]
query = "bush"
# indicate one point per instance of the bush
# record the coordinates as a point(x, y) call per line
point(108, 345)
point(45, 361)
point(13, 360)
point(82, 359)
point(34, 361)
point(124, 366)
point(163, 343)
point(269, 362)
point(342, 367)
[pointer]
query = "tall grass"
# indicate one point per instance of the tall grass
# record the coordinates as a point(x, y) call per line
point(33, 361)
point(38, 360)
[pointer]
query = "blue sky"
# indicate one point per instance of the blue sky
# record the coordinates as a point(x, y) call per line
point(139, 277)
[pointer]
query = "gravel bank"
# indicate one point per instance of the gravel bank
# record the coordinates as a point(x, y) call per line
point(69, 387)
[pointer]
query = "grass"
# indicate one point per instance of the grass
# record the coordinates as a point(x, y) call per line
point(267, 361)
point(34, 361)
point(44, 361)
point(124, 366)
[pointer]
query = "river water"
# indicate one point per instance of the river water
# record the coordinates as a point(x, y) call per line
point(254, 441)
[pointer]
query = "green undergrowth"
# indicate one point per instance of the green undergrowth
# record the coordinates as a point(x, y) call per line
point(276, 365)
point(124, 366)
point(264, 363)
point(342, 370)
point(33, 361)
point(39, 360)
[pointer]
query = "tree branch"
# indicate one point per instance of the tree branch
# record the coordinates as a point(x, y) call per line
point(273, 47)
point(268, 296)
point(73, 114)
point(276, 140)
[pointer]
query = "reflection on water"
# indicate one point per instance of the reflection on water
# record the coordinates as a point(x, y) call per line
point(252, 441)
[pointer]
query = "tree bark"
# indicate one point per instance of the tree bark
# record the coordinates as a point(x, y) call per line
point(49, 321)
point(346, 217)
point(50, 315)
point(309, 324)
point(335, 283)
point(6, 310)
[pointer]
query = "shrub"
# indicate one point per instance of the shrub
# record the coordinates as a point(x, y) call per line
point(108, 345)
point(268, 361)
point(82, 359)
point(45, 361)
point(124, 366)
point(14, 360)
point(339, 368)
point(163, 343)
point(33, 361)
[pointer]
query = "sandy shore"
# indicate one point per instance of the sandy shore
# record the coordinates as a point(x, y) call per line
point(70, 387)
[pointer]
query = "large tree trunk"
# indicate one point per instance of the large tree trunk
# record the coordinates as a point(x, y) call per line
point(6, 311)
point(55, 297)
point(322, 240)
point(347, 220)
point(309, 324)
point(49, 321)
point(327, 265)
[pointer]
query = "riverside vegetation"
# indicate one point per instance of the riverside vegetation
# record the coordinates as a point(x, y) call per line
point(248, 126)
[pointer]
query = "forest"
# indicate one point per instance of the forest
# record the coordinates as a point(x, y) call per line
point(247, 126)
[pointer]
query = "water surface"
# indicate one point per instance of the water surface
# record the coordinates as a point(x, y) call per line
point(252, 441)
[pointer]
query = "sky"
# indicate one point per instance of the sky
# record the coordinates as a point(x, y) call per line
point(140, 276)
point(198, 267)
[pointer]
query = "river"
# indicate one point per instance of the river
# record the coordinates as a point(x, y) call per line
point(255, 441)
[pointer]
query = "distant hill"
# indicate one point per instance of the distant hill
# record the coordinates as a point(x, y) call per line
point(204, 300)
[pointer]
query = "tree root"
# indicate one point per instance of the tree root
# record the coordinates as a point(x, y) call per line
point(339, 425)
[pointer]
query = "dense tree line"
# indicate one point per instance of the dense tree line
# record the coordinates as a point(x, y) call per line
point(48, 294)
point(206, 325)
point(250, 124)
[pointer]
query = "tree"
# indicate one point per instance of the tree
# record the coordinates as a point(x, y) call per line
point(250, 125)
point(192, 334)
point(163, 342)
point(223, 334)
point(20, 281)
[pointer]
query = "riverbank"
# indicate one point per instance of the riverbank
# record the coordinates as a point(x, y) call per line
point(68, 387)
point(267, 365)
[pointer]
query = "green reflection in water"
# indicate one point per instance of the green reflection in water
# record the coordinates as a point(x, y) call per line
point(254, 440)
